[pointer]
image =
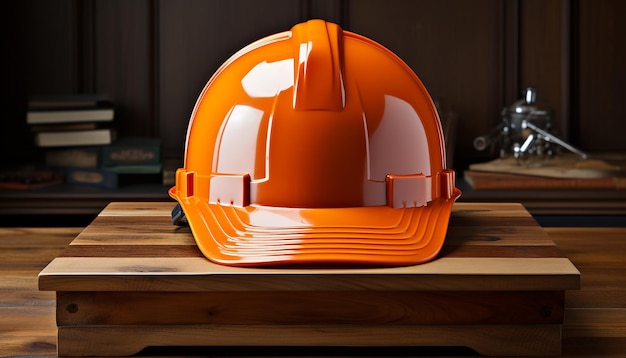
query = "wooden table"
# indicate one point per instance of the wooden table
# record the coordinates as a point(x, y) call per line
point(131, 280)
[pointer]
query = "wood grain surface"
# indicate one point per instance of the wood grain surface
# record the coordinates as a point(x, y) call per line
point(495, 247)
point(594, 316)
point(132, 269)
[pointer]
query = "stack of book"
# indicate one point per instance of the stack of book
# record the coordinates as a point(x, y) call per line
point(71, 120)
point(77, 136)
point(123, 162)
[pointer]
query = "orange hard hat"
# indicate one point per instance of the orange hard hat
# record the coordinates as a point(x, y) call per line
point(315, 145)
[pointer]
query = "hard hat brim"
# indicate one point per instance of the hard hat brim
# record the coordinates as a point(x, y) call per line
point(257, 235)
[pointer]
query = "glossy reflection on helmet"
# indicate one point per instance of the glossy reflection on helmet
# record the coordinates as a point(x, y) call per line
point(315, 145)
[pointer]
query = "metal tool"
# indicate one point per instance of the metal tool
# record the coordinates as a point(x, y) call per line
point(524, 132)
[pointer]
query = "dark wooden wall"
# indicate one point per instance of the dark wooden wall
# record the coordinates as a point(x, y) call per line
point(154, 56)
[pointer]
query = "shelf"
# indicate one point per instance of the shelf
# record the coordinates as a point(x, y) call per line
point(67, 200)
point(553, 202)
point(75, 200)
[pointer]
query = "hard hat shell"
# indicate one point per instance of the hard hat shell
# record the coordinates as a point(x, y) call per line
point(315, 145)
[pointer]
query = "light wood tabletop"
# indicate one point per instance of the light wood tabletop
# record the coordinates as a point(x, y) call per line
point(594, 317)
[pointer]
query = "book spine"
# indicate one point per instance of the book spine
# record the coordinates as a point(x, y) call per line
point(74, 138)
point(71, 116)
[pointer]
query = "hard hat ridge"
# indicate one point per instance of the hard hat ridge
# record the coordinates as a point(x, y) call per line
point(318, 81)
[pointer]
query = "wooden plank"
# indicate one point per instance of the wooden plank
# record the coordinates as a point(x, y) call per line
point(605, 347)
point(311, 307)
point(27, 296)
point(453, 251)
point(493, 340)
point(37, 236)
point(34, 245)
point(595, 317)
point(26, 327)
point(587, 246)
point(27, 316)
point(31, 317)
point(28, 342)
point(598, 298)
point(605, 277)
point(138, 209)
point(492, 235)
point(491, 209)
point(603, 287)
point(132, 251)
point(599, 254)
point(122, 236)
point(480, 180)
point(185, 274)
point(602, 322)
point(570, 168)
point(449, 250)
point(18, 276)
point(29, 254)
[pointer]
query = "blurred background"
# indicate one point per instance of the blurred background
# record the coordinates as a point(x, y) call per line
point(153, 57)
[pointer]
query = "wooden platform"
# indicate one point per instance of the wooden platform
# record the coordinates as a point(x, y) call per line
point(131, 280)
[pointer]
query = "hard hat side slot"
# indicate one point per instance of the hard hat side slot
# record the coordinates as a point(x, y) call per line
point(407, 191)
point(230, 190)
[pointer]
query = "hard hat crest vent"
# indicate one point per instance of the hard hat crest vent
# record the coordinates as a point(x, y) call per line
point(318, 68)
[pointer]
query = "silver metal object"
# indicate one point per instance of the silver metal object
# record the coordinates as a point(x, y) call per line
point(524, 131)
